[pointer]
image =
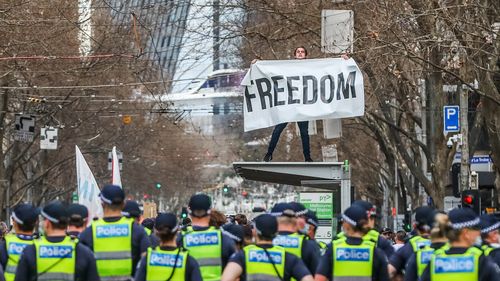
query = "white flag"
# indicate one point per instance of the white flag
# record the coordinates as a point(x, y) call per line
point(115, 169)
point(88, 191)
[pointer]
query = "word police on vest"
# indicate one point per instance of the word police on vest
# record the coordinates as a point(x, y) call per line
point(454, 264)
point(287, 242)
point(56, 251)
point(167, 260)
point(16, 248)
point(425, 256)
point(202, 239)
point(261, 256)
point(107, 231)
point(281, 90)
point(347, 254)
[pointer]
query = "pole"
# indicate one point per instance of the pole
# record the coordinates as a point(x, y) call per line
point(464, 131)
point(216, 30)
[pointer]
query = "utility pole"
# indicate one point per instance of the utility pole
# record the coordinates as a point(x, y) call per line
point(464, 131)
point(216, 31)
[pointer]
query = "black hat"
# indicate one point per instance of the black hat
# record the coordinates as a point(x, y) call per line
point(148, 223)
point(77, 212)
point(234, 231)
point(266, 225)
point(25, 214)
point(299, 209)
point(369, 207)
point(166, 220)
point(463, 218)
point(55, 212)
point(311, 218)
point(283, 209)
point(200, 201)
point(386, 230)
point(425, 215)
point(131, 209)
point(354, 215)
point(489, 223)
point(112, 194)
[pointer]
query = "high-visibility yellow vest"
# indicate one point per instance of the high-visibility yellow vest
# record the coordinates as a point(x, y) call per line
point(113, 248)
point(423, 257)
point(206, 247)
point(417, 242)
point(352, 262)
point(148, 231)
point(291, 242)
point(259, 264)
point(161, 263)
point(461, 267)
point(487, 249)
point(15, 247)
point(55, 261)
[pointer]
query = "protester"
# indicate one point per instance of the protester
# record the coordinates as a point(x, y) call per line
point(56, 256)
point(265, 261)
point(399, 240)
point(117, 242)
point(217, 219)
point(167, 261)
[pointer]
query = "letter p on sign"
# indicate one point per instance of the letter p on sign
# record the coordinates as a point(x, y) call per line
point(451, 120)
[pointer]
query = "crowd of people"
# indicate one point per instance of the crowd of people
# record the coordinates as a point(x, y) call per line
point(276, 245)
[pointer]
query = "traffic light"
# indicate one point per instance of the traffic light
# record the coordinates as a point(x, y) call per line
point(184, 213)
point(225, 189)
point(158, 185)
point(74, 197)
point(471, 199)
point(407, 221)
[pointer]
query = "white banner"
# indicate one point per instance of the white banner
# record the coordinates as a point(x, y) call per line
point(115, 169)
point(88, 190)
point(302, 90)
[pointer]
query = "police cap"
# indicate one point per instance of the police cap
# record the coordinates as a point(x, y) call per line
point(131, 209)
point(354, 215)
point(234, 231)
point(266, 225)
point(55, 212)
point(311, 218)
point(463, 218)
point(489, 223)
point(112, 194)
point(369, 207)
point(25, 214)
point(200, 201)
point(77, 212)
point(166, 220)
point(283, 210)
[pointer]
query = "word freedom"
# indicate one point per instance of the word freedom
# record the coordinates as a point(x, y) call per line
point(284, 90)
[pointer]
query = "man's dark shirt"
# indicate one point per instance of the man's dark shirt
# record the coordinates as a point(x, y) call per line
point(140, 240)
point(85, 269)
point(294, 266)
point(192, 270)
point(379, 267)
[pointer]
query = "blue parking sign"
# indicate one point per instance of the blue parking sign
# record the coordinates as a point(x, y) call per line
point(451, 118)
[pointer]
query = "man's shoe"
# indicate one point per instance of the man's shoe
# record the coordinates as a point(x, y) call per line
point(308, 159)
point(268, 157)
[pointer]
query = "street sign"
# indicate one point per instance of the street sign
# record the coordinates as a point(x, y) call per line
point(322, 204)
point(48, 138)
point(24, 128)
point(110, 160)
point(451, 120)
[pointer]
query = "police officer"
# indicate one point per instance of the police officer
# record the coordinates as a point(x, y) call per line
point(117, 241)
point(461, 261)
point(490, 236)
point(159, 262)
point(424, 219)
point(24, 220)
point(373, 235)
point(292, 241)
point(56, 256)
point(419, 260)
point(207, 244)
point(235, 232)
point(132, 210)
point(353, 258)
point(264, 261)
point(301, 214)
point(78, 218)
point(312, 221)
